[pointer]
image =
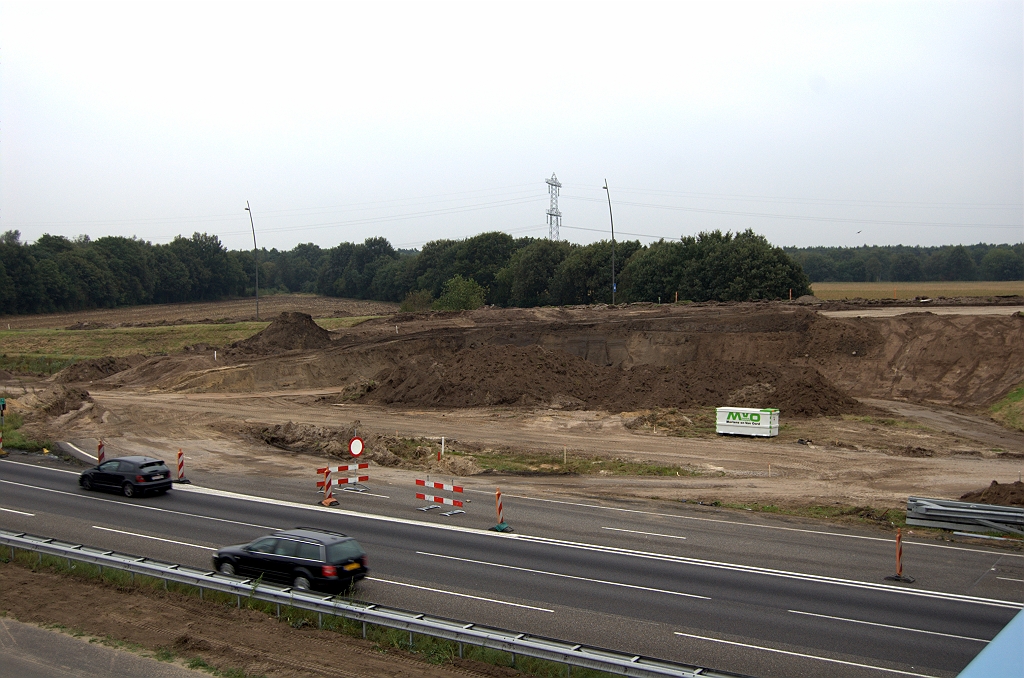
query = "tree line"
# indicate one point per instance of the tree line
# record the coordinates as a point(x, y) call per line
point(910, 264)
point(56, 273)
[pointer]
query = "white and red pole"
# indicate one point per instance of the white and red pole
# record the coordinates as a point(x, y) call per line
point(899, 552)
point(497, 505)
point(99, 452)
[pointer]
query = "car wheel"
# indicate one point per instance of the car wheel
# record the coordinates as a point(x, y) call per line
point(302, 583)
point(86, 483)
point(227, 568)
point(128, 490)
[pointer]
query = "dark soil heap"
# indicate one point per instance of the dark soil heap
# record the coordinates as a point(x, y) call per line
point(533, 375)
point(288, 332)
point(94, 370)
point(1009, 494)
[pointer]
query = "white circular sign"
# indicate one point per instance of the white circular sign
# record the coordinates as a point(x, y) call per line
point(355, 446)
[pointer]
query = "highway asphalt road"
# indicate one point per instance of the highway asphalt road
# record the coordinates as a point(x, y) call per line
point(755, 597)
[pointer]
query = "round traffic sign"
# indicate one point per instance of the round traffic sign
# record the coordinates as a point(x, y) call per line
point(355, 446)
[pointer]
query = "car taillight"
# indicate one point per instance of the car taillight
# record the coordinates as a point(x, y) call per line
point(362, 559)
point(140, 479)
point(330, 571)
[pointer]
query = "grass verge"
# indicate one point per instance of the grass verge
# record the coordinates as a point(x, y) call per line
point(46, 351)
point(385, 640)
point(911, 290)
point(15, 440)
point(1010, 410)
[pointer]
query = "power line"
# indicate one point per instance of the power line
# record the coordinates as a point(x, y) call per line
point(798, 217)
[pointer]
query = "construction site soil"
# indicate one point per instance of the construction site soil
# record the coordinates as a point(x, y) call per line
point(635, 382)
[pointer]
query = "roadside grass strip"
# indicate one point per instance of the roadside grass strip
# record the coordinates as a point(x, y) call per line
point(806, 656)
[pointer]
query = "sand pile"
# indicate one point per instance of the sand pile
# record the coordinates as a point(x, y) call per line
point(94, 370)
point(1008, 494)
point(533, 375)
point(288, 332)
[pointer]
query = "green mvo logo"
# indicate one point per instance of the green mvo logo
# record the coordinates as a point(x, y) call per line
point(749, 417)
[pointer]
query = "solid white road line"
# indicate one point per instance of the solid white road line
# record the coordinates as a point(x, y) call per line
point(824, 533)
point(650, 534)
point(564, 576)
point(22, 513)
point(806, 656)
point(890, 626)
point(1009, 579)
point(141, 506)
point(557, 542)
point(460, 595)
point(146, 536)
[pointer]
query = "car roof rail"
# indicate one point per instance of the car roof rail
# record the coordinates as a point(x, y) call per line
point(319, 529)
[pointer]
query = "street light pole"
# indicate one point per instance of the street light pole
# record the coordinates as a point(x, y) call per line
point(256, 258)
point(612, 220)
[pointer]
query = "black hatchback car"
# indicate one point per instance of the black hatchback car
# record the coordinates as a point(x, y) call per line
point(129, 475)
point(305, 558)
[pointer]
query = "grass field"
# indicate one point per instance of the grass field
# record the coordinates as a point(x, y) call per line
point(63, 345)
point(910, 290)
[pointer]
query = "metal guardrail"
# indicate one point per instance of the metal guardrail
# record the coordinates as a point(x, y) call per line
point(958, 515)
point(512, 642)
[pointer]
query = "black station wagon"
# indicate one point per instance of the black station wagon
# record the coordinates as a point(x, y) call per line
point(128, 475)
point(305, 558)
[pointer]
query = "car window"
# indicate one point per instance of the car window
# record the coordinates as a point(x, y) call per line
point(308, 551)
point(285, 547)
point(265, 545)
point(343, 550)
point(109, 466)
point(152, 464)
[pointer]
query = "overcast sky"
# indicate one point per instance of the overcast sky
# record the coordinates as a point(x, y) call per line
point(824, 123)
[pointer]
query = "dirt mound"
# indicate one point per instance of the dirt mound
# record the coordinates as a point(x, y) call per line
point(1009, 494)
point(533, 375)
point(59, 400)
point(94, 370)
point(288, 332)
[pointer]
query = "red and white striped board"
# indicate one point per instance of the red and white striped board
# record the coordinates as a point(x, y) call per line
point(353, 467)
point(439, 486)
point(325, 483)
point(100, 457)
point(497, 505)
point(439, 500)
point(343, 481)
point(181, 464)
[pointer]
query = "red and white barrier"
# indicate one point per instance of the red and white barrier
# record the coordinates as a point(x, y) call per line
point(181, 468)
point(497, 505)
point(327, 483)
point(446, 487)
point(439, 486)
point(100, 457)
point(439, 500)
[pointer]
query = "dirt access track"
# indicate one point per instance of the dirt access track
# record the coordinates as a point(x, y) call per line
point(631, 383)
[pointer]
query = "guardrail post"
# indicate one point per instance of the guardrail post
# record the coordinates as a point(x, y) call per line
point(460, 650)
point(279, 610)
point(364, 630)
point(319, 620)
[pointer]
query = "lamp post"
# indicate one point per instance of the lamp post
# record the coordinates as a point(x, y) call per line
point(256, 258)
point(612, 220)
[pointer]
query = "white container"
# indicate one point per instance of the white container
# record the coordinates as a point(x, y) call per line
point(747, 421)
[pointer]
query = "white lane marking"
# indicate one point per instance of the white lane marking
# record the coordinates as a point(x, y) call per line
point(753, 569)
point(890, 626)
point(806, 656)
point(650, 534)
point(1009, 579)
point(18, 512)
point(142, 506)
point(564, 576)
point(91, 456)
point(460, 595)
point(754, 525)
point(821, 579)
point(455, 528)
point(146, 536)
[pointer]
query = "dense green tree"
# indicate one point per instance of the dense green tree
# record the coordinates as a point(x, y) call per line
point(1002, 263)
point(526, 280)
point(460, 294)
point(905, 267)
